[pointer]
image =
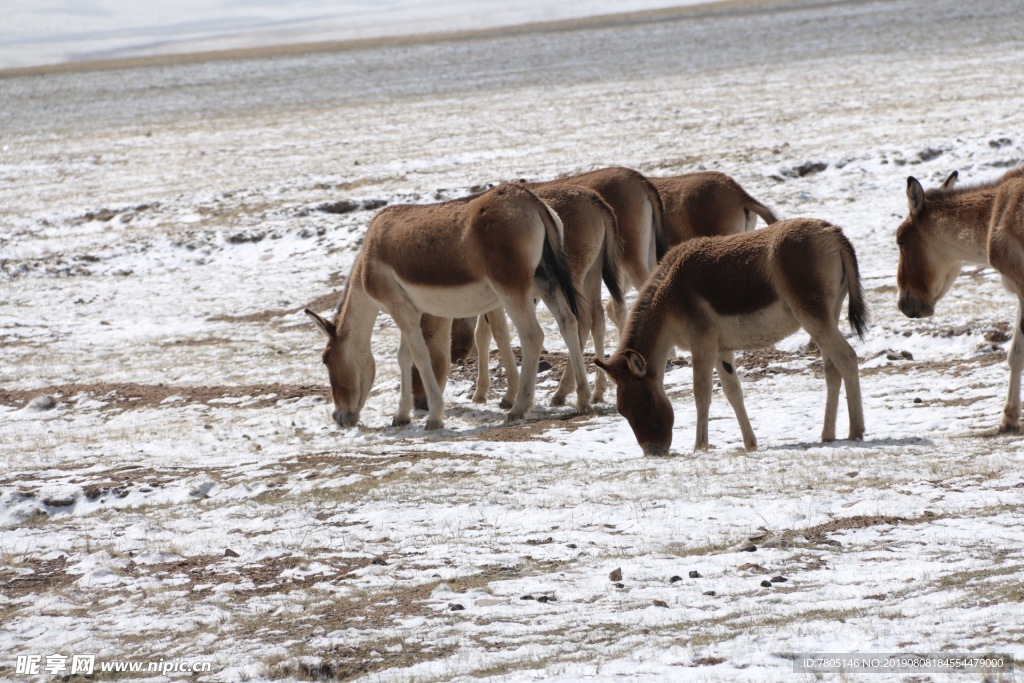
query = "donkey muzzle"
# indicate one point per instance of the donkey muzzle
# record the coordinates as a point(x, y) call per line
point(913, 307)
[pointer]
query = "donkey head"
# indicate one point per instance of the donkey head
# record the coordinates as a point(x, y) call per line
point(925, 273)
point(641, 399)
point(351, 373)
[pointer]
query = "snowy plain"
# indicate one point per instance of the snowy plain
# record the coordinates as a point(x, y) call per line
point(186, 497)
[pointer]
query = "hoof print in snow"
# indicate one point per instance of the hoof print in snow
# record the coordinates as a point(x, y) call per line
point(615, 575)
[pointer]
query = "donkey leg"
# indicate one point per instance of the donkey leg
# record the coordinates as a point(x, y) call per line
point(835, 347)
point(408, 321)
point(569, 328)
point(833, 380)
point(405, 395)
point(503, 338)
point(483, 354)
point(531, 338)
point(1015, 359)
point(726, 370)
point(597, 330)
point(583, 325)
point(703, 367)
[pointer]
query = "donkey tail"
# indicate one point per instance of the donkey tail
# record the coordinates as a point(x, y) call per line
point(554, 266)
point(858, 308)
point(761, 210)
point(611, 253)
point(661, 243)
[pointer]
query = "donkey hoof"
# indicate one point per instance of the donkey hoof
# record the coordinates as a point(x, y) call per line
point(505, 403)
point(557, 401)
point(512, 418)
point(434, 424)
point(750, 445)
point(481, 398)
point(397, 421)
point(1009, 428)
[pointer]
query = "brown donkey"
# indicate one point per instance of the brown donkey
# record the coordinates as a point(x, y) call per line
point(592, 249)
point(454, 259)
point(707, 204)
point(947, 226)
point(716, 295)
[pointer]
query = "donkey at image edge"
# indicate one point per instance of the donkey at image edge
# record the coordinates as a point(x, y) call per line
point(948, 226)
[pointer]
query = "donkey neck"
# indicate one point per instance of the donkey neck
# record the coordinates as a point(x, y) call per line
point(357, 311)
point(964, 219)
point(649, 330)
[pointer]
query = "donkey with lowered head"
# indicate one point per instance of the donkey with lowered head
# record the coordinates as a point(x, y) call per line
point(717, 295)
point(454, 259)
point(949, 225)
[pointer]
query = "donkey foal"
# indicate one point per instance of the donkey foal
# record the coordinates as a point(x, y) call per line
point(717, 295)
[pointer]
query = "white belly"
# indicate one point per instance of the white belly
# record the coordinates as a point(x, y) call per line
point(756, 330)
point(453, 302)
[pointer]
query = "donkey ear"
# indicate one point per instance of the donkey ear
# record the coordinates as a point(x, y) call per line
point(636, 363)
point(915, 195)
point(950, 181)
point(325, 325)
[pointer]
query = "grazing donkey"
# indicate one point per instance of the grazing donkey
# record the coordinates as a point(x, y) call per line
point(454, 259)
point(716, 295)
point(981, 224)
point(592, 249)
point(707, 204)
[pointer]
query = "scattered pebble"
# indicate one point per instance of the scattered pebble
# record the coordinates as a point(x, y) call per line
point(675, 579)
point(527, 597)
point(43, 402)
point(660, 603)
point(709, 593)
point(228, 552)
point(694, 574)
point(455, 607)
point(766, 583)
point(749, 549)
point(615, 575)
point(779, 579)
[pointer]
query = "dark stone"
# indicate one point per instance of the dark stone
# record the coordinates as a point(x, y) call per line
point(675, 579)
point(694, 574)
point(228, 552)
point(779, 579)
point(766, 583)
point(749, 549)
point(455, 607)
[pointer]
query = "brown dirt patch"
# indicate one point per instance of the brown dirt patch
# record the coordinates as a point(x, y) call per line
point(46, 576)
point(125, 395)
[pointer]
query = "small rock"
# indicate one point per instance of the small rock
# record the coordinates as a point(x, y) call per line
point(379, 561)
point(779, 579)
point(527, 597)
point(546, 598)
point(615, 575)
point(228, 552)
point(455, 607)
point(675, 579)
point(543, 366)
point(694, 574)
point(709, 593)
point(619, 585)
point(750, 549)
point(766, 583)
point(917, 399)
point(43, 402)
point(660, 603)
point(571, 546)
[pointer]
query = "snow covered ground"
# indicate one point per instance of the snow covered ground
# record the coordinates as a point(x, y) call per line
point(171, 486)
